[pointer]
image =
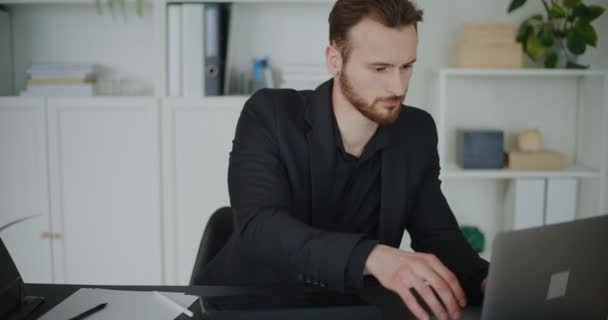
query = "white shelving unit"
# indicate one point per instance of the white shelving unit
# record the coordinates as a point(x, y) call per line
point(135, 48)
point(512, 100)
point(583, 126)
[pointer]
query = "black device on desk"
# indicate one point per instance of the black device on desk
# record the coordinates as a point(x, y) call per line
point(13, 302)
point(292, 306)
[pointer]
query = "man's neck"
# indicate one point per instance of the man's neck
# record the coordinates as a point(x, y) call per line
point(355, 129)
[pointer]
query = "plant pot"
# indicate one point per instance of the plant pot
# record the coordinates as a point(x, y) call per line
point(563, 55)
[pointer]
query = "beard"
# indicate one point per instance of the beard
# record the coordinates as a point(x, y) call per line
point(374, 111)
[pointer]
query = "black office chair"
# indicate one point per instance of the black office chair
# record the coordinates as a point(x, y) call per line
point(216, 234)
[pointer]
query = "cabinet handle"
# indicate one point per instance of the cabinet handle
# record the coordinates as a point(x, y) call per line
point(48, 235)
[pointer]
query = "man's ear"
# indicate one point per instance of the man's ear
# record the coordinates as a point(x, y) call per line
point(333, 59)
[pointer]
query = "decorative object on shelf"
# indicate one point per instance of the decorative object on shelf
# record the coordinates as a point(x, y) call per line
point(482, 149)
point(531, 156)
point(262, 74)
point(557, 40)
point(139, 6)
point(474, 237)
point(487, 46)
point(530, 140)
point(60, 79)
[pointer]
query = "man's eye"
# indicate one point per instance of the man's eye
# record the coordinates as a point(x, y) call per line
point(406, 67)
point(380, 69)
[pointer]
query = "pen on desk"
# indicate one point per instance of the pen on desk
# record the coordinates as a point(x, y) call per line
point(89, 312)
point(174, 304)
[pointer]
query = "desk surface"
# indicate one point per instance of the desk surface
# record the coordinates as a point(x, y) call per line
point(390, 303)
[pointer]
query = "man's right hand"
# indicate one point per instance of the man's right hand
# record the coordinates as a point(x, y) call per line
point(401, 271)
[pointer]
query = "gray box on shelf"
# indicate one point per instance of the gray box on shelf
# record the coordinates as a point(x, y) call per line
point(481, 149)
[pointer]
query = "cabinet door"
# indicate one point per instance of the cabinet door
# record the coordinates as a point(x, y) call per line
point(105, 190)
point(24, 187)
point(199, 137)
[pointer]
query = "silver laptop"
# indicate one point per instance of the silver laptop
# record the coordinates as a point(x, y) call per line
point(552, 272)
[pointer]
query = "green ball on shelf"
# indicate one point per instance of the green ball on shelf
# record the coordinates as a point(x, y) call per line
point(474, 236)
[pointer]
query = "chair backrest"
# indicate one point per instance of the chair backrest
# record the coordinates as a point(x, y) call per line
point(216, 234)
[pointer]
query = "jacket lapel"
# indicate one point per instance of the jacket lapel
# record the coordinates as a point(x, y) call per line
point(321, 143)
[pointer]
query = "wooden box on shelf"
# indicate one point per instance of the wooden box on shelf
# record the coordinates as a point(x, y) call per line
point(536, 160)
point(487, 46)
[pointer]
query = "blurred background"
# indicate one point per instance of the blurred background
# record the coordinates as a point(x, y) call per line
point(116, 119)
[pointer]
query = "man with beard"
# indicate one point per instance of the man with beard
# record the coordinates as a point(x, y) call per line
point(323, 183)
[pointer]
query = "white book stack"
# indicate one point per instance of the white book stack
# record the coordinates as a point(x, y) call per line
point(60, 79)
point(303, 77)
point(525, 204)
point(561, 200)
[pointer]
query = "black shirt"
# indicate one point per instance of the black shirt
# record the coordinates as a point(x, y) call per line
point(355, 198)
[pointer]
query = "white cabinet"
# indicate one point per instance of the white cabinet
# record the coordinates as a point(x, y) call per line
point(569, 107)
point(24, 186)
point(105, 190)
point(198, 137)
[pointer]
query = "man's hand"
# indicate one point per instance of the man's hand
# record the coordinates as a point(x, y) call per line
point(401, 271)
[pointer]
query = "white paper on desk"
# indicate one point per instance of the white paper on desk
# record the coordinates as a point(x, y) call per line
point(121, 305)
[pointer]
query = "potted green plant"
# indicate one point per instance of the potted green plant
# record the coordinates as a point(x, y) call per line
point(556, 39)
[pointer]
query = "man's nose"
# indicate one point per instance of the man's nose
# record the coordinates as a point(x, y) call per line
point(396, 85)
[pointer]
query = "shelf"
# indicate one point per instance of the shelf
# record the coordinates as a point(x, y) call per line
point(521, 72)
point(453, 172)
point(233, 103)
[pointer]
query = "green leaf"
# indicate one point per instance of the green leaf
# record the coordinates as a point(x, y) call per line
point(576, 43)
point(515, 4)
point(571, 3)
point(588, 13)
point(528, 26)
point(99, 7)
point(545, 35)
point(533, 47)
point(594, 12)
point(557, 11)
point(587, 32)
point(574, 65)
point(581, 11)
point(140, 8)
point(551, 59)
point(523, 33)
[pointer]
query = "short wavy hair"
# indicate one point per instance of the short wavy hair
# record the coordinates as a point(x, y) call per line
point(347, 13)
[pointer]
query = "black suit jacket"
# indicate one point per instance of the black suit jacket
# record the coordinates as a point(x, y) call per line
point(278, 184)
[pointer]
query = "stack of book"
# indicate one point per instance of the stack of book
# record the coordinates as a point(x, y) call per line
point(303, 77)
point(60, 79)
